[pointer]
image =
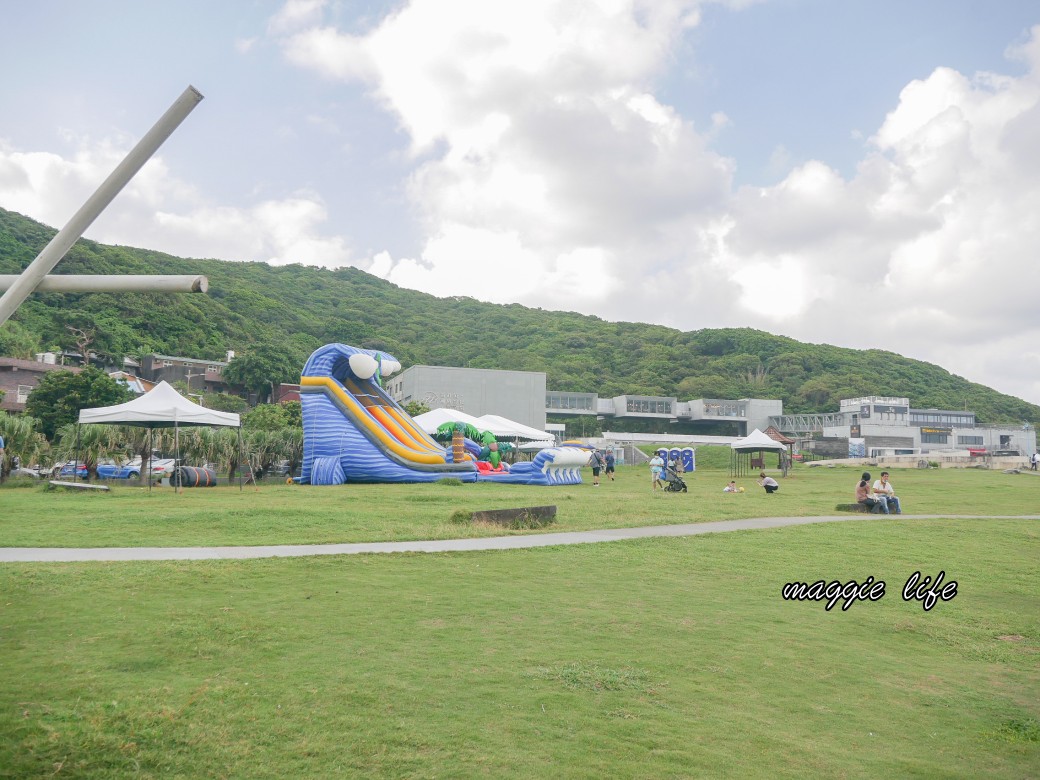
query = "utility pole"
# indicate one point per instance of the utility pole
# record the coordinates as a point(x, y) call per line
point(188, 377)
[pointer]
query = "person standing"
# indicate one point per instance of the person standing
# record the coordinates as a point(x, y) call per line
point(883, 491)
point(1036, 460)
point(597, 464)
point(609, 461)
point(656, 468)
point(770, 484)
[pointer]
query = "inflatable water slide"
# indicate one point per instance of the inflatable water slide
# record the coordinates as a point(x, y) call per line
point(353, 431)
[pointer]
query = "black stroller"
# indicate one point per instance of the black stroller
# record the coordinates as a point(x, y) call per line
point(673, 481)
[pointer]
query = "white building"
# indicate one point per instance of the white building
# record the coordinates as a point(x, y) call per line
point(890, 427)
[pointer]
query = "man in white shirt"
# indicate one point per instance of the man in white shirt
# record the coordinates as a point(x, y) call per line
point(883, 491)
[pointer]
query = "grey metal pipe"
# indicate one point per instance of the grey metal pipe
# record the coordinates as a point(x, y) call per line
point(82, 283)
point(44, 263)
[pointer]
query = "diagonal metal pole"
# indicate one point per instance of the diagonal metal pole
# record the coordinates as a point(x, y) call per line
point(61, 243)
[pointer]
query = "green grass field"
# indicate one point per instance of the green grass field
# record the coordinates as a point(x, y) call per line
point(653, 658)
point(130, 516)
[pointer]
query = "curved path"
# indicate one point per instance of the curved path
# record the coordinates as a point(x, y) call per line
point(70, 554)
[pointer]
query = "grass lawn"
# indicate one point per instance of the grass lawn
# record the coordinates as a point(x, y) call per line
point(654, 658)
point(651, 658)
point(130, 516)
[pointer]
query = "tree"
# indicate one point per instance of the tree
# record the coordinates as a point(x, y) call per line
point(294, 413)
point(225, 402)
point(56, 401)
point(263, 368)
point(18, 341)
point(266, 417)
point(415, 408)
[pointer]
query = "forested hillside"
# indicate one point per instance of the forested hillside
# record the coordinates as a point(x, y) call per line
point(301, 308)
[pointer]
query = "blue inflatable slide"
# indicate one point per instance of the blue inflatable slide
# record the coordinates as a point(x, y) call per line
point(353, 431)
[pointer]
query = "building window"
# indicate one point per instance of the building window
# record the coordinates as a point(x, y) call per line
point(973, 441)
point(933, 438)
point(23, 393)
point(167, 363)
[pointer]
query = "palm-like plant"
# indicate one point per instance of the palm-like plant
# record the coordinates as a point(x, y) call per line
point(293, 447)
point(225, 451)
point(22, 439)
point(94, 442)
point(140, 442)
point(196, 444)
point(264, 448)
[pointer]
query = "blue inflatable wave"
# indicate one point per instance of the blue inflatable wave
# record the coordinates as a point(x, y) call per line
point(353, 431)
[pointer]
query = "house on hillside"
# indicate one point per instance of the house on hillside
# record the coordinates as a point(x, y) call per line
point(20, 377)
point(198, 375)
point(134, 384)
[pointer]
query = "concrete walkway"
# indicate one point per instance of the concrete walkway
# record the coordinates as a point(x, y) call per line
point(520, 541)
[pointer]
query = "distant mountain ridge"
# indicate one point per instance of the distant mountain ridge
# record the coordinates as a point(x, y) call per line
point(301, 308)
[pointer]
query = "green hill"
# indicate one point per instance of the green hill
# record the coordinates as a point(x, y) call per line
point(301, 308)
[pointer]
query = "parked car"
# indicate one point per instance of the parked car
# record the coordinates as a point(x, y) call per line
point(22, 471)
point(66, 469)
point(115, 471)
point(161, 467)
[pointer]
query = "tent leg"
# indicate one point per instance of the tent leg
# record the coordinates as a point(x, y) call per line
point(148, 475)
point(177, 463)
point(240, 451)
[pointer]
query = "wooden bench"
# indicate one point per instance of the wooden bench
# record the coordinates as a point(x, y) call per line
point(77, 485)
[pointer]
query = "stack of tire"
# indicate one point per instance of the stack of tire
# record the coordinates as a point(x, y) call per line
point(193, 476)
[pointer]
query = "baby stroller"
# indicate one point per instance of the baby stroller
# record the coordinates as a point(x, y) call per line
point(673, 481)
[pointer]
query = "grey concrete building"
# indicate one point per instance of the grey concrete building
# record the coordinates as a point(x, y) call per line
point(522, 396)
point(745, 414)
point(517, 395)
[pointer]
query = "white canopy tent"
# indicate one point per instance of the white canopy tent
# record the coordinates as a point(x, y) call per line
point(162, 407)
point(756, 440)
point(433, 419)
point(741, 462)
point(501, 426)
point(535, 446)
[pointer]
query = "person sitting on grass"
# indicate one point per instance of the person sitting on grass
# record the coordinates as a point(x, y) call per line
point(732, 487)
point(770, 484)
point(863, 496)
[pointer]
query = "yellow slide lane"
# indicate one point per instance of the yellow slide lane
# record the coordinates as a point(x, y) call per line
point(364, 418)
point(384, 413)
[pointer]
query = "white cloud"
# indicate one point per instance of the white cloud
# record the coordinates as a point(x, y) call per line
point(159, 211)
point(547, 170)
point(545, 149)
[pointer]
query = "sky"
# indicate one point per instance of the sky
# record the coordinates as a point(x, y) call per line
point(858, 173)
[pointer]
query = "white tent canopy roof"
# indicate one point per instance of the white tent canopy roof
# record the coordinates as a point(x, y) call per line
point(535, 446)
point(756, 440)
point(162, 407)
point(432, 420)
point(501, 426)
